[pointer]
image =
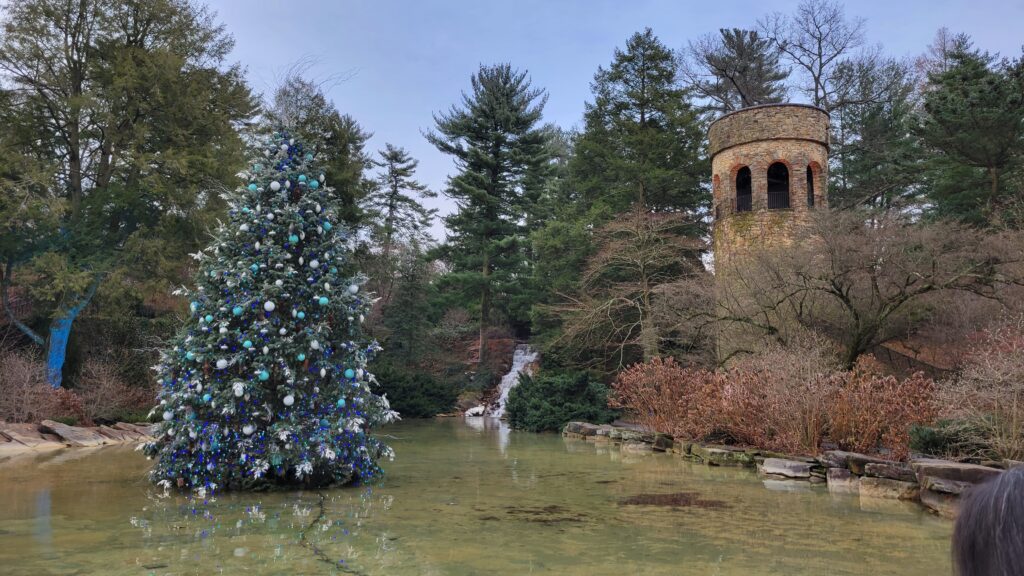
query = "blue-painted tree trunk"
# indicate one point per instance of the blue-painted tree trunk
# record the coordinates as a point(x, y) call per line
point(60, 331)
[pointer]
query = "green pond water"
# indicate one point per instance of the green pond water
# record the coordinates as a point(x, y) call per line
point(460, 498)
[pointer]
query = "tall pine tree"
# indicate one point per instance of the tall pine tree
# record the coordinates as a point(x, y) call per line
point(736, 69)
point(498, 146)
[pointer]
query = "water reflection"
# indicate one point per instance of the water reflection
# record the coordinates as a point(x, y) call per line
point(497, 426)
point(461, 498)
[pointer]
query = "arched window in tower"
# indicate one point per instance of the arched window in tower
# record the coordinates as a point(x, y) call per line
point(810, 187)
point(778, 186)
point(744, 193)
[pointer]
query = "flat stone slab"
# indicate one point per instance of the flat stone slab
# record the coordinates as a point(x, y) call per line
point(945, 505)
point(899, 472)
point(841, 480)
point(636, 446)
point(958, 471)
point(663, 442)
point(954, 487)
point(871, 487)
point(786, 468)
point(722, 455)
point(853, 461)
point(30, 436)
point(73, 435)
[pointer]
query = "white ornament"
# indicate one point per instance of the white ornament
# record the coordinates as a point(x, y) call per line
point(244, 227)
point(223, 330)
point(248, 429)
point(315, 344)
point(275, 186)
point(257, 245)
point(282, 331)
point(289, 400)
point(284, 147)
point(266, 349)
point(279, 282)
point(222, 364)
point(327, 286)
point(239, 389)
point(353, 288)
point(314, 264)
point(270, 215)
point(168, 415)
point(269, 305)
point(323, 372)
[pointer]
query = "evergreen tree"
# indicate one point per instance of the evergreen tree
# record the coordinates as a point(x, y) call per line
point(392, 210)
point(737, 69)
point(120, 119)
point(266, 382)
point(642, 142)
point(974, 116)
point(498, 148)
point(300, 106)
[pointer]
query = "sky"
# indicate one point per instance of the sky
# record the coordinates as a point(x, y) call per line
point(393, 64)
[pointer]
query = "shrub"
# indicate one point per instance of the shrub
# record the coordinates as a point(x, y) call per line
point(106, 398)
point(988, 392)
point(948, 439)
point(25, 396)
point(415, 394)
point(550, 401)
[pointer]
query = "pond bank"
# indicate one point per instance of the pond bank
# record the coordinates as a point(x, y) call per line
point(936, 484)
point(51, 435)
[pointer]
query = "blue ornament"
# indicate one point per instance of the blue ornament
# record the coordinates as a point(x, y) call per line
point(301, 315)
point(323, 300)
point(206, 397)
point(301, 356)
point(194, 306)
point(237, 310)
point(252, 187)
point(350, 373)
point(327, 226)
point(209, 318)
point(264, 375)
point(302, 178)
point(247, 344)
point(314, 184)
point(341, 402)
point(189, 355)
point(293, 238)
point(324, 422)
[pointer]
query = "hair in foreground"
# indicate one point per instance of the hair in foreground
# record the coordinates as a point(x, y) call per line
point(989, 536)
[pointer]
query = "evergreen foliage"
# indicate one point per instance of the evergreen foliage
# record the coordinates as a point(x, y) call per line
point(414, 393)
point(266, 382)
point(737, 69)
point(547, 402)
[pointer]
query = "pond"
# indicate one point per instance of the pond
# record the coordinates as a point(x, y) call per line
point(461, 498)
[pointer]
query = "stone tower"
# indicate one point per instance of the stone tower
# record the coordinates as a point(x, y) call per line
point(768, 166)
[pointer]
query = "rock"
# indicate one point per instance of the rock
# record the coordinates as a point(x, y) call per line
point(899, 472)
point(604, 430)
point(588, 429)
point(786, 468)
point(681, 446)
point(816, 479)
point(636, 446)
point(631, 435)
point(945, 486)
point(841, 480)
point(945, 505)
point(74, 435)
point(662, 442)
point(851, 460)
point(476, 411)
point(958, 471)
point(721, 455)
point(29, 435)
point(871, 487)
point(615, 434)
point(120, 436)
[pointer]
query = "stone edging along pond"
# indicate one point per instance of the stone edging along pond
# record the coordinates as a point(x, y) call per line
point(50, 435)
point(935, 484)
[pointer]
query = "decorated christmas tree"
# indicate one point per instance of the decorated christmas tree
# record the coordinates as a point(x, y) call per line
point(267, 381)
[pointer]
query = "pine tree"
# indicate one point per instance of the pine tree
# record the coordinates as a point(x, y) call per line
point(739, 68)
point(642, 142)
point(499, 148)
point(266, 382)
point(394, 213)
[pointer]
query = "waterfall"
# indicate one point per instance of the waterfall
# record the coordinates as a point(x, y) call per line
point(521, 360)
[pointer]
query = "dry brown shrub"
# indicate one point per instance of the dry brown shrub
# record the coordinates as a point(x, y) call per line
point(25, 395)
point(870, 411)
point(665, 396)
point(106, 397)
point(988, 391)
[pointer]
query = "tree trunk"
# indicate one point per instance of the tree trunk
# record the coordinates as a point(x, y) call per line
point(60, 331)
point(485, 308)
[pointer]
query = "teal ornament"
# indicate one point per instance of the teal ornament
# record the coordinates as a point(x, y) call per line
point(324, 423)
point(327, 225)
point(237, 310)
point(254, 267)
point(323, 300)
point(293, 238)
point(245, 210)
point(350, 373)
point(301, 356)
point(215, 445)
point(247, 344)
point(334, 270)
point(301, 315)
point(314, 184)
point(264, 375)
point(341, 402)
point(194, 306)
point(257, 168)
point(209, 318)
point(309, 157)
point(206, 397)
point(302, 178)
point(189, 355)
point(253, 187)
